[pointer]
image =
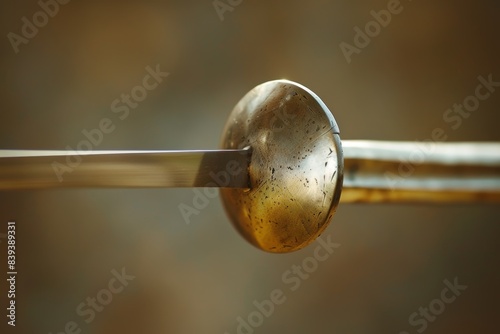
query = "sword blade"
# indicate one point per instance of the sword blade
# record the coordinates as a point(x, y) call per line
point(24, 169)
point(374, 171)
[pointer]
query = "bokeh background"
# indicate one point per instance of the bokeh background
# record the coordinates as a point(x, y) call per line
point(200, 277)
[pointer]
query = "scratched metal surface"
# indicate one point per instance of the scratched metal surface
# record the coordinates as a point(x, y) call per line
point(295, 170)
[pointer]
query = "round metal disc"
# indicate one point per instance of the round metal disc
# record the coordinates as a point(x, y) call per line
point(296, 167)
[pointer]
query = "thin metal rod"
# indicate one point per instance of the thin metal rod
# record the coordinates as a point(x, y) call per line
point(374, 171)
point(380, 171)
point(23, 169)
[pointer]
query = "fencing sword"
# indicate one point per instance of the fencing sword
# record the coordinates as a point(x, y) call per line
point(282, 168)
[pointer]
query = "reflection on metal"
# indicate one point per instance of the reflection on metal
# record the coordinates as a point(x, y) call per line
point(295, 170)
point(281, 168)
point(378, 171)
point(64, 169)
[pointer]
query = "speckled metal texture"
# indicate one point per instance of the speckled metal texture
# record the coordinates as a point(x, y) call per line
point(296, 167)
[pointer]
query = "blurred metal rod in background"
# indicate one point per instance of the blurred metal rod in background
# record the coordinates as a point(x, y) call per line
point(386, 171)
point(374, 171)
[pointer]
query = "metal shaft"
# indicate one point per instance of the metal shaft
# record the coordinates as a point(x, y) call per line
point(380, 171)
point(21, 169)
point(375, 171)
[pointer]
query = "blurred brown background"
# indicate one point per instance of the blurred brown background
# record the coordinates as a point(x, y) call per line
point(199, 278)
